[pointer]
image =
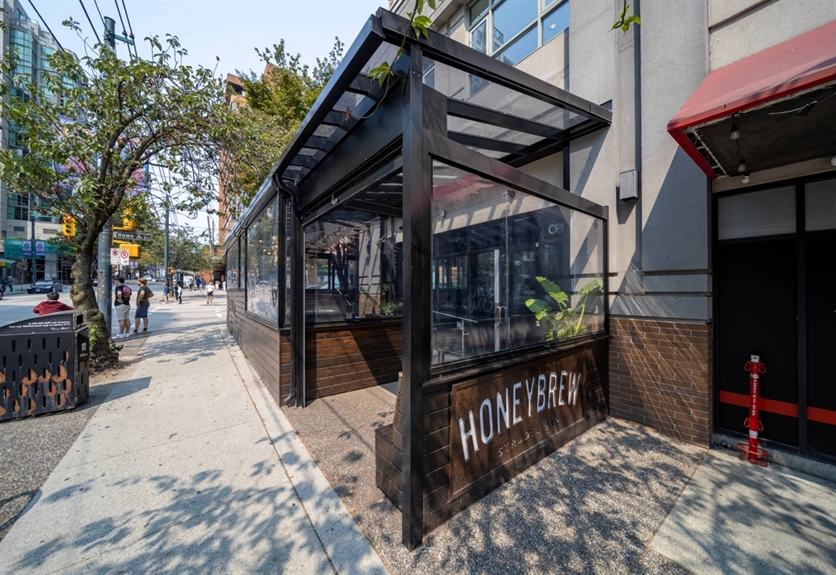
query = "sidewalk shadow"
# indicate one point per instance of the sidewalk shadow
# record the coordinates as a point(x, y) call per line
point(210, 526)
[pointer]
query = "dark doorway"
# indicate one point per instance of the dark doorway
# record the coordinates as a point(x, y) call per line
point(775, 271)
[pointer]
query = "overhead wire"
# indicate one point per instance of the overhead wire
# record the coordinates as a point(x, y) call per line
point(98, 40)
point(124, 32)
point(96, 3)
point(46, 25)
point(130, 28)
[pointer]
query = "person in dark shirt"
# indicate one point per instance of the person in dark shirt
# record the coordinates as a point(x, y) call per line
point(51, 305)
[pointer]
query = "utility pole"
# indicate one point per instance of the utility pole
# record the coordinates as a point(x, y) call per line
point(32, 219)
point(165, 246)
point(105, 286)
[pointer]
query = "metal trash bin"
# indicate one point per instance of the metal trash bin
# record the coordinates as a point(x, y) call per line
point(44, 364)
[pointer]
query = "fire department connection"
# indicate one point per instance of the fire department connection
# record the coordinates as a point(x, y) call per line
point(757, 454)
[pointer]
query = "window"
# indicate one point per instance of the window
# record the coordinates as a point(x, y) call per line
point(512, 29)
point(510, 270)
point(21, 44)
point(353, 267)
point(232, 257)
point(263, 264)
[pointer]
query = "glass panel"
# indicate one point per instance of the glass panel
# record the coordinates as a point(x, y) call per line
point(509, 18)
point(509, 270)
point(457, 84)
point(263, 264)
point(288, 251)
point(479, 37)
point(766, 213)
point(820, 204)
point(556, 22)
point(463, 126)
point(477, 9)
point(353, 265)
point(232, 257)
point(520, 48)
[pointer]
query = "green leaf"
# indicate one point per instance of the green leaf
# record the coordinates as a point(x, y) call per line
point(419, 6)
point(380, 72)
point(553, 290)
point(431, 3)
point(539, 308)
point(592, 286)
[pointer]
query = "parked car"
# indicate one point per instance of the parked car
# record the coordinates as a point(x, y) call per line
point(148, 278)
point(44, 286)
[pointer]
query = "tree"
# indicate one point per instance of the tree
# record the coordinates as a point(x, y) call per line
point(276, 103)
point(186, 250)
point(86, 135)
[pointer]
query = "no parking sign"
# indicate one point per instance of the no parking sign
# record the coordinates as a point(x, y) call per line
point(115, 259)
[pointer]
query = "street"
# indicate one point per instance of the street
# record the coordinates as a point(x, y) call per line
point(18, 306)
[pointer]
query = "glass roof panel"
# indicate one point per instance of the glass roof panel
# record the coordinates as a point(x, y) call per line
point(460, 85)
point(487, 131)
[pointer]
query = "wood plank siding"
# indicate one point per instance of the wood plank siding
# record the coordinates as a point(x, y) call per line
point(338, 358)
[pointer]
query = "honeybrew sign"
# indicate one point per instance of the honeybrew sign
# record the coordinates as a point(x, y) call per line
point(508, 420)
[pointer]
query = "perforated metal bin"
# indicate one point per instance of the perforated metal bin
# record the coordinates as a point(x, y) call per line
point(44, 364)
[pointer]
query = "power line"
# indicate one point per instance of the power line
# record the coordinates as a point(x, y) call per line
point(99, 11)
point(90, 21)
point(124, 32)
point(130, 28)
point(46, 25)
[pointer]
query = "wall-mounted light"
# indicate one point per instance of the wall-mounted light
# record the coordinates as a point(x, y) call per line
point(735, 133)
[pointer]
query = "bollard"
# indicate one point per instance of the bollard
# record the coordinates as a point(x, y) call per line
point(757, 454)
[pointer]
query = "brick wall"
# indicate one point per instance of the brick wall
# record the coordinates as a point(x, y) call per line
point(661, 376)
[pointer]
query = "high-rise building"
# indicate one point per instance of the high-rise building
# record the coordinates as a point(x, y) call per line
point(24, 218)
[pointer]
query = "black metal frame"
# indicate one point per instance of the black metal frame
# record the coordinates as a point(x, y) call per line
point(405, 129)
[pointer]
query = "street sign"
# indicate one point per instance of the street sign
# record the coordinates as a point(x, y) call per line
point(125, 256)
point(132, 236)
point(115, 259)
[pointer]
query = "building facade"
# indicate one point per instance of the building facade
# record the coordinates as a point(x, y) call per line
point(25, 224)
point(685, 312)
point(538, 219)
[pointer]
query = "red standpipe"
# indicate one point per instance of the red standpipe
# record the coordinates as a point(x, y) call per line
point(757, 455)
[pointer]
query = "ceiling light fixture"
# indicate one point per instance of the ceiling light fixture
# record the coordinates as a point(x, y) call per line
point(745, 178)
point(833, 161)
point(735, 133)
point(741, 167)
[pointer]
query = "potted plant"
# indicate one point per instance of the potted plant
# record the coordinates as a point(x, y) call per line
point(564, 321)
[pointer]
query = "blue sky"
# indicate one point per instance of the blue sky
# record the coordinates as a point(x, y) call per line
point(228, 29)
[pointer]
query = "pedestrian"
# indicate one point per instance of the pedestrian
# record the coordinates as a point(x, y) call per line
point(166, 291)
point(7, 284)
point(122, 305)
point(178, 292)
point(51, 305)
point(210, 292)
point(143, 302)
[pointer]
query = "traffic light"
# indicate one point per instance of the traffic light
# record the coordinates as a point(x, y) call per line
point(68, 226)
point(128, 223)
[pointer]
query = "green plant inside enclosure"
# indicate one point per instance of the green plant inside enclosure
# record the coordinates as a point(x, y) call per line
point(564, 321)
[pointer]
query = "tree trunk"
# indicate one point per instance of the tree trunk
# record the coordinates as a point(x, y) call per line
point(84, 298)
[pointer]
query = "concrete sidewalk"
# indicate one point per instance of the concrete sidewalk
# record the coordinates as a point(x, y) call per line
point(187, 468)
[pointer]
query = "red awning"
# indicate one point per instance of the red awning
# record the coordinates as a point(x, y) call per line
point(777, 73)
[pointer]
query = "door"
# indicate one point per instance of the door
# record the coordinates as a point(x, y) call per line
point(775, 272)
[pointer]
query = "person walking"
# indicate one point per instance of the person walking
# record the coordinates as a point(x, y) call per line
point(143, 302)
point(51, 305)
point(166, 291)
point(210, 292)
point(178, 292)
point(122, 307)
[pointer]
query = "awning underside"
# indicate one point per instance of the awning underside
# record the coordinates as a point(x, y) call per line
point(774, 108)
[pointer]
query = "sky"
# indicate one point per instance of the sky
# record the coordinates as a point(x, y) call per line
point(212, 29)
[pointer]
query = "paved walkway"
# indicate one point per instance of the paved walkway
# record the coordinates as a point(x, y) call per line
point(180, 471)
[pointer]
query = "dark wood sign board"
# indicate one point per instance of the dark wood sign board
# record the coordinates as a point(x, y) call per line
point(503, 422)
